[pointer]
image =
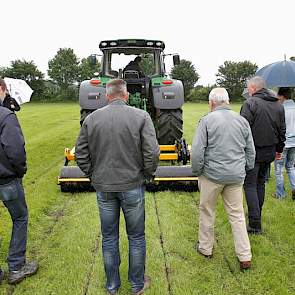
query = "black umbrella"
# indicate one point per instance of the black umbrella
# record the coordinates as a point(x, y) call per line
point(278, 74)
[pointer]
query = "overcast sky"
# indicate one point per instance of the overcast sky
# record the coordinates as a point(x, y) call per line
point(205, 32)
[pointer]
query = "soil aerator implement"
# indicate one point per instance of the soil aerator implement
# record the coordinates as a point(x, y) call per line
point(149, 89)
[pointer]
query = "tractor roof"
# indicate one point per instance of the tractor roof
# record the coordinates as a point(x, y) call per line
point(125, 44)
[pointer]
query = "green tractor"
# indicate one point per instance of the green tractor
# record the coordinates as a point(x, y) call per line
point(141, 64)
point(149, 87)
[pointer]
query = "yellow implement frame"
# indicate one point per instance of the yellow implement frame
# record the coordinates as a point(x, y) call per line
point(167, 153)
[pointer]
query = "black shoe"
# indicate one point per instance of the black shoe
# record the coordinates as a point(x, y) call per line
point(199, 251)
point(293, 194)
point(27, 270)
point(254, 231)
point(1, 275)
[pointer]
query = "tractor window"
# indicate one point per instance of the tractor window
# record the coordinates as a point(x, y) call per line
point(147, 64)
point(118, 62)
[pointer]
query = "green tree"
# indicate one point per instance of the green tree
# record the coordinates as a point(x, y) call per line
point(28, 71)
point(87, 69)
point(187, 73)
point(233, 76)
point(64, 68)
point(200, 93)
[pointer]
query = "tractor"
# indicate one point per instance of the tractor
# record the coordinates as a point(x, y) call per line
point(141, 64)
point(149, 89)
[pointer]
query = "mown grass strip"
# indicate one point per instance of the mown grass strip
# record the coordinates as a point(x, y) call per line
point(190, 273)
point(64, 228)
point(167, 271)
point(65, 252)
point(155, 266)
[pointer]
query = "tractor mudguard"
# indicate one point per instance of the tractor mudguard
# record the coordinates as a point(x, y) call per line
point(169, 97)
point(92, 97)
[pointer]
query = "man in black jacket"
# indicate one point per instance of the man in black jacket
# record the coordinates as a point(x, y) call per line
point(267, 121)
point(12, 169)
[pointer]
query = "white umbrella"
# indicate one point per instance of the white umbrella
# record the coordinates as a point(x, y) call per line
point(19, 90)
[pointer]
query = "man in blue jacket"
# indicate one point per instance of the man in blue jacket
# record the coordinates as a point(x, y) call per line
point(287, 158)
point(12, 169)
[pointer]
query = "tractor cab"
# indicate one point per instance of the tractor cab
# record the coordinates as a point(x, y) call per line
point(118, 54)
point(136, 61)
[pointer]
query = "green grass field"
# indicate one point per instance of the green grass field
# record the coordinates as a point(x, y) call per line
point(64, 232)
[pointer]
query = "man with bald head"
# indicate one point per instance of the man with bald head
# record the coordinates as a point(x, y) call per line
point(267, 121)
point(222, 151)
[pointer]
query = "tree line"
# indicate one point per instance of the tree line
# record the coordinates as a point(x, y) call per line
point(231, 75)
point(66, 71)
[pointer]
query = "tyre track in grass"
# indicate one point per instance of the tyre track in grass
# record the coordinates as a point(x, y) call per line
point(68, 233)
point(56, 216)
point(225, 258)
point(229, 265)
point(37, 178)
point(94, 254)
point(161, 237)
point(30, 183)
point(47, 170)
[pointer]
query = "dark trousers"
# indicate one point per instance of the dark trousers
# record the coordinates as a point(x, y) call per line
point(254, 187)
point(19, 215)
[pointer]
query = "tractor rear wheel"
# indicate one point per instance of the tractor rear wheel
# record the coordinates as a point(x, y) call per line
point(170, 126)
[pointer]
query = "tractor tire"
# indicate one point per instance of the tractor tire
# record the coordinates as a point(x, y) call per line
point(83, 114)
point(170, 126)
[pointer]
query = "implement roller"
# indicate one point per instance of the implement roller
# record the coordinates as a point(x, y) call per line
point(175, 177)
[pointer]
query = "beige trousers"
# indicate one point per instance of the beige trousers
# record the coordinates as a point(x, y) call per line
point(233, 202)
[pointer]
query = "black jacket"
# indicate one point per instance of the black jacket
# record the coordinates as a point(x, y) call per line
point(12, 147)
point(10, 103)
point(266, 117)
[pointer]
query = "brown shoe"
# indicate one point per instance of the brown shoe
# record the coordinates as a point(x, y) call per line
point(147, 283)
point(244, 265)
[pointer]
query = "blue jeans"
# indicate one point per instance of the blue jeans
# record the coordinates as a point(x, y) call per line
point(287, 160)
point(18, 211)
point(132, 204)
